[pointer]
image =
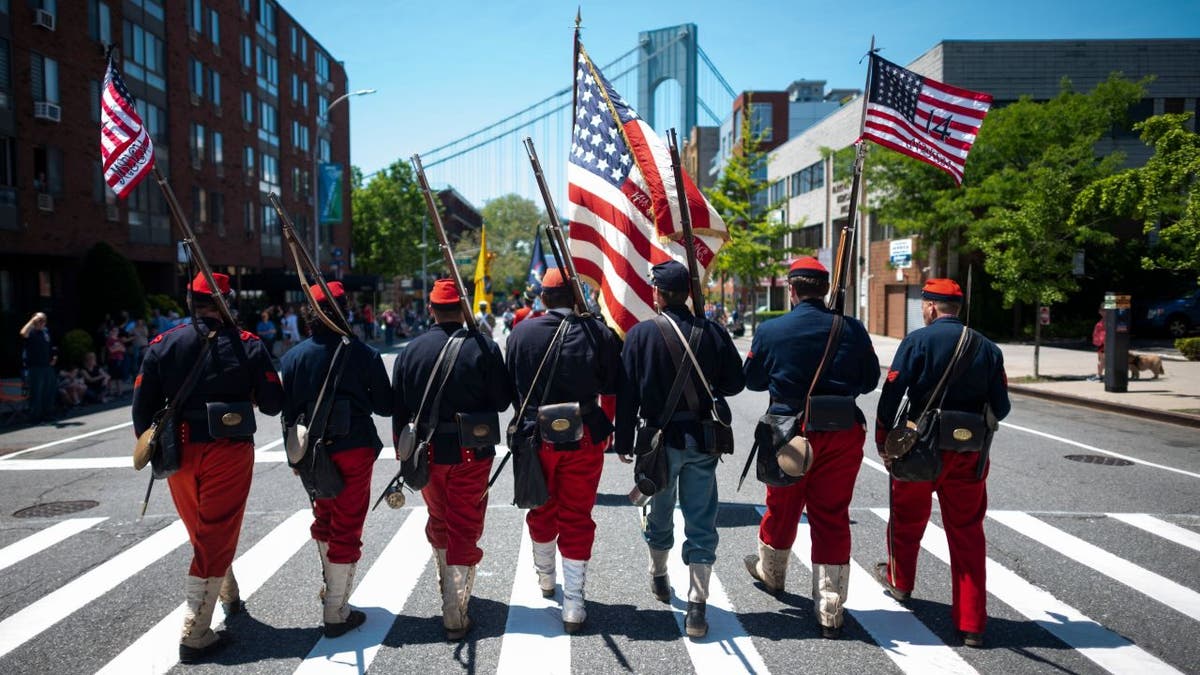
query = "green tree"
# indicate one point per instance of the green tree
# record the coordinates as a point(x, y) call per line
point(122, 288)
point(512, 223)
point(1163, 195)
point(756, 249)
point(388, 213)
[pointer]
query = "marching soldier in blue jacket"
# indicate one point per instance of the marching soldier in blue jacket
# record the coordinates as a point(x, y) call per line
point(213, 481)
point(783, 359)
point(921, 360)
point(587, 364)
point(458, 475)
point(352, 444)
point(649, 371)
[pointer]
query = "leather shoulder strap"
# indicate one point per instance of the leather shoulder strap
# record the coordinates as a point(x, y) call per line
point(554, 347)
point(189, 383)
point(683, 365)
point(324, 403)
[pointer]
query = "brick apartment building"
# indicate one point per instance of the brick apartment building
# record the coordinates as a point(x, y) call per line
point(235, 95)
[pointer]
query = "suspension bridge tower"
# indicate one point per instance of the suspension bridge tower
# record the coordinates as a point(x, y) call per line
point(669, 54)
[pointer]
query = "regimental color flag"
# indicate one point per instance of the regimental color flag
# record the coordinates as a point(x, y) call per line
point(483, 271)
point(923, 118)
point(125, 147)
point(537, 264)
point(623, 204)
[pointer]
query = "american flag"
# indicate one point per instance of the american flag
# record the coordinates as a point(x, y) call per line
point(923, 118)
point(125, 147)
point(623, 205)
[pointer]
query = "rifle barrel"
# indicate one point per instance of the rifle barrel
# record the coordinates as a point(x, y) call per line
point(444, 244)
point(307, 269)
point(685, 219)
point(558, 243)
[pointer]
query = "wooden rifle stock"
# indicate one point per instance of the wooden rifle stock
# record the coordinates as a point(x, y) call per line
point(554, 234)
point(189, 240)
point(307, 270)
point(845, 251)
point(444, 244)
point(685, 219)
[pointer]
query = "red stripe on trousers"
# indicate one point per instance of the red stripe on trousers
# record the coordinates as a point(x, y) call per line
point(339, 521)
point(572, 477)
point(963, 502)
point(826, 491)
point(455, 510)
point(209, 492)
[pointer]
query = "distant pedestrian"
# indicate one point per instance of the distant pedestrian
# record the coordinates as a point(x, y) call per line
point(1098, 335)
point(291, 328)
point(266, 331)
point(40, 357)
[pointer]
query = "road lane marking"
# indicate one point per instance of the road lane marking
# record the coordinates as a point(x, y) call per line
point(69, 439)
point(534, 641)
point(1174, 595)
point(906, 641)
point(1102, 646)
point(261, 456)
point(1157, 526)
point(26, 624)
point(44, 539)
point(157, 650)
point(381, 596)
point(1093, 448)
point(727, 648)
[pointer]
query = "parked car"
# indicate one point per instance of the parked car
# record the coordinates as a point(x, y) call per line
point(1176, 317)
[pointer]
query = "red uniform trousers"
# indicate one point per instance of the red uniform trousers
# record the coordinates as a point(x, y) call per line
point(210, 491)
point(964, 504)
point(339, 521)
point(572, 477)
point(825, 491)
point(456, 511)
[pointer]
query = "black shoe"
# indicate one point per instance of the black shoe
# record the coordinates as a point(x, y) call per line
point(661, 588)
point(354, 620)
point(695, 623)
point(830, 632)
point(973, 640)
point(881, 575)
point(197, 654)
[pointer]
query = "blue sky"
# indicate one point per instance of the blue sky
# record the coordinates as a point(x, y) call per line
point(445, 68)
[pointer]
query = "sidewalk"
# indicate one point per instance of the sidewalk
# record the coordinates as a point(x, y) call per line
point(1174, 397)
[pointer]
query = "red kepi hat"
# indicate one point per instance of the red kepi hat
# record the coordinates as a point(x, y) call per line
point(200, 284)
point(553, 278)
point(808, 266)
point(945, 290)
point(444, 292)
point(335, 289)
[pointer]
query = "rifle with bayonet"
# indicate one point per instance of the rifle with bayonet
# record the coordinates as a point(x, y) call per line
point(554, 234)
point(685, 219)
point(308, 272)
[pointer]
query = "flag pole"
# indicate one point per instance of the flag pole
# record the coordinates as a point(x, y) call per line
point(685, 219)
point(845, 252)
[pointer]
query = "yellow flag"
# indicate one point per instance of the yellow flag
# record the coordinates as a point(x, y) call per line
point(483, 284)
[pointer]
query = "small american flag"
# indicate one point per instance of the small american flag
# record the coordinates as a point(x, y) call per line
point(125, 147)
point(623, 204)
point(923, 118)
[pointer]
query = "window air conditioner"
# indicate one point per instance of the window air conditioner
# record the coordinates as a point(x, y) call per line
point(44, 110)
point(45, 201)
point(43, 19)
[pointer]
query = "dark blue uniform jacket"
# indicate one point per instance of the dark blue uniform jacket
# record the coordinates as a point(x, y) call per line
point(787, 350)
point(919, 364)
point(649, 372)
point(478, 383)
point(238, 369)
point(589, 364)
point(364, 386)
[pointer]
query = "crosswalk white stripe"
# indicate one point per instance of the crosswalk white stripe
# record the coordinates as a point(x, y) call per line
point(44, 539)
point(906, 641)
point(381, 596)
point(534, 641)
point(727, 648)
point(1092, 448)
point(1160, 527)
point(1103, 647)
point(55, 606)
point(1176, 596)
point(69, 439)
point(157, 650)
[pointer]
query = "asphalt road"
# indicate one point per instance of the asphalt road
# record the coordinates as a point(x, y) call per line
point(1093, 568)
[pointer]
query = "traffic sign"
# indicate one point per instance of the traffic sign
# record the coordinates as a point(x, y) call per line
point(1044, 316)
point(337, 252)
point(900, 253)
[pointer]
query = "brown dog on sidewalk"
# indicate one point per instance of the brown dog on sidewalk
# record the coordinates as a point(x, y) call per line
point(1140, 362)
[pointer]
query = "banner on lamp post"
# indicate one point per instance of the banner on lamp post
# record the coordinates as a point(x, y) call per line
point(329, 192)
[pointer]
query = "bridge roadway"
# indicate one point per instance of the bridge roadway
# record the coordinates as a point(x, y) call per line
point(1092, 568)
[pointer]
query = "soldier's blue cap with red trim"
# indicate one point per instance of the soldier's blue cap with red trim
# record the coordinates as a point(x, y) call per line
point(670, 276)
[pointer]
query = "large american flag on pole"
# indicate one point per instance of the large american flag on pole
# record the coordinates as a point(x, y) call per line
point(125, 147)
point(923, 118)
point(623, 204)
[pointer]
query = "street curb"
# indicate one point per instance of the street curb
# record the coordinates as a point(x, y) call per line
point(1151, 413)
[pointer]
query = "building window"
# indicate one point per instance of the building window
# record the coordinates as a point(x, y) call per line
point(196, 78)
point(268, 71)
point(300, 136)
point(760, 120)
point(152, 8)
point(44, 74)
point(195, 17)
point(304, 49)
point(269, 173)
point(217, 148)
point(777, 192)
point(266, 21)
point(196, 143)
point(248, 219)
point(154, 119)
point(271, 244)
point(322, 67)
point(99, 22)
point(247, 52)
point(144, 56)
point(5, 78)
point(323, 149)
point(214, 87)
point(268, 123)
point(322, 108)
point(248, 160)
point(216, 211)
point(199, 206)
point(295, 40)
point(304, 95)
point(214, 26)
point(247, 107)
point(48, 170)
point(94, 99)
point(46, 6)
point(807, 237)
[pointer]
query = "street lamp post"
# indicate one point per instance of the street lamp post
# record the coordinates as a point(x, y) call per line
point(316, 224)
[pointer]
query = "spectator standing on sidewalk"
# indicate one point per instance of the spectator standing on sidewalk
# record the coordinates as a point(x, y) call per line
point(40, 358)
point(1098, 334)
